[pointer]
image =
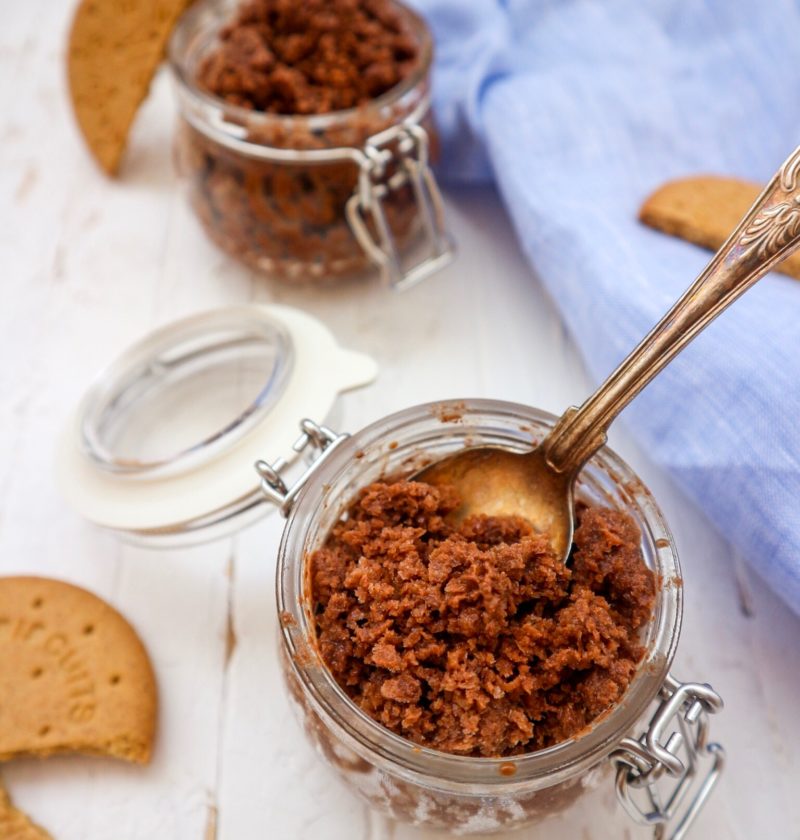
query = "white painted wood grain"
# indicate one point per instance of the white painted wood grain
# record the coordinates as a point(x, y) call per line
point(88, 265)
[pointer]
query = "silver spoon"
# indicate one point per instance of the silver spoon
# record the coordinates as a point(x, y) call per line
point(539, 485)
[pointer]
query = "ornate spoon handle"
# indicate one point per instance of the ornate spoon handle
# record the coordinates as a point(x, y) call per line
point(768, 233)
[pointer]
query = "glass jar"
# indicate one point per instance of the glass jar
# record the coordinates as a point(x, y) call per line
point(318, 197)
point(655, 736)
point(232, 383)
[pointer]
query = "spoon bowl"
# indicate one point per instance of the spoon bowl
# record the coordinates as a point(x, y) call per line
point(496, 482)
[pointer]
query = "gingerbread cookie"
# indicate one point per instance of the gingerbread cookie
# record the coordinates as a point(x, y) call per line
point(115, 47)
point(74, 676)
point(705, 210)
point(14, 825)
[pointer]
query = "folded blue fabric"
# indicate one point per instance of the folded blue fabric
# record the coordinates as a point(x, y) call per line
point(579, 110)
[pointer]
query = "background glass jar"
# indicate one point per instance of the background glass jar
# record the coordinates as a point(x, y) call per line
point(311, 197)
point(472, 795)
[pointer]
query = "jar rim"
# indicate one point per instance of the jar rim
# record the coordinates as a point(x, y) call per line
point(566, 758)
point(206, 17)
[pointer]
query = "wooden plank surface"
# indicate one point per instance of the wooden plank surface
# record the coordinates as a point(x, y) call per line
point(88, 266)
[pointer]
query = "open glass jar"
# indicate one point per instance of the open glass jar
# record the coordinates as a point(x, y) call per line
point(232, 384)
point(311, 198)
point(656, 736)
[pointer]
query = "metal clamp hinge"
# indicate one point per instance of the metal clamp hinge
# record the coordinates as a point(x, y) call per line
point(321, 441)
point(405, 145)
point(675, 745)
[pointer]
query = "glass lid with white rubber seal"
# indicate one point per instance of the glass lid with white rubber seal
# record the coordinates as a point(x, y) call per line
point(161, 447)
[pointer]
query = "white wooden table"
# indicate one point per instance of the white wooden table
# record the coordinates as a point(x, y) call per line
point(88, 265)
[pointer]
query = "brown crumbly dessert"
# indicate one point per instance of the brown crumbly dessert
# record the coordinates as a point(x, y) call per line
point(478, 640)
point(313, 57)
point(288, 218)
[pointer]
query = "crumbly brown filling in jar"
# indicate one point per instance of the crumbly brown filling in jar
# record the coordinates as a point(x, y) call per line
point(285, 57)
point(280, 57)
point(477, 640)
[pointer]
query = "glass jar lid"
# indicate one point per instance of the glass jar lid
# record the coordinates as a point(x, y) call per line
point(186, 393)
point(162, 445)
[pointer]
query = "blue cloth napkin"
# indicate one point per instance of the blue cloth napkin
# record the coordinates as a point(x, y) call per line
point(579, 109)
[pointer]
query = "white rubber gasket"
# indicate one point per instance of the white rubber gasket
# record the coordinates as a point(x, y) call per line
point(321, 371)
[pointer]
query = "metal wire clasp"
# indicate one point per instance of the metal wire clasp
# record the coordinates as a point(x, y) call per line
point(674, 745)
point(322, 443)
point(392, 159)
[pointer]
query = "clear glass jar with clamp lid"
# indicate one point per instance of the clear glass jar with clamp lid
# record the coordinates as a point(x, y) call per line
point(654, 742)
point(233, 384)
point(312, 198)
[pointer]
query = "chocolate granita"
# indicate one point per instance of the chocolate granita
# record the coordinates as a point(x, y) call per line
point(279, 102)
point(477, 639)
point(285, 57)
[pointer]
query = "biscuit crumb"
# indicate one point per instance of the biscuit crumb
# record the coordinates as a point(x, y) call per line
point(14, 825)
